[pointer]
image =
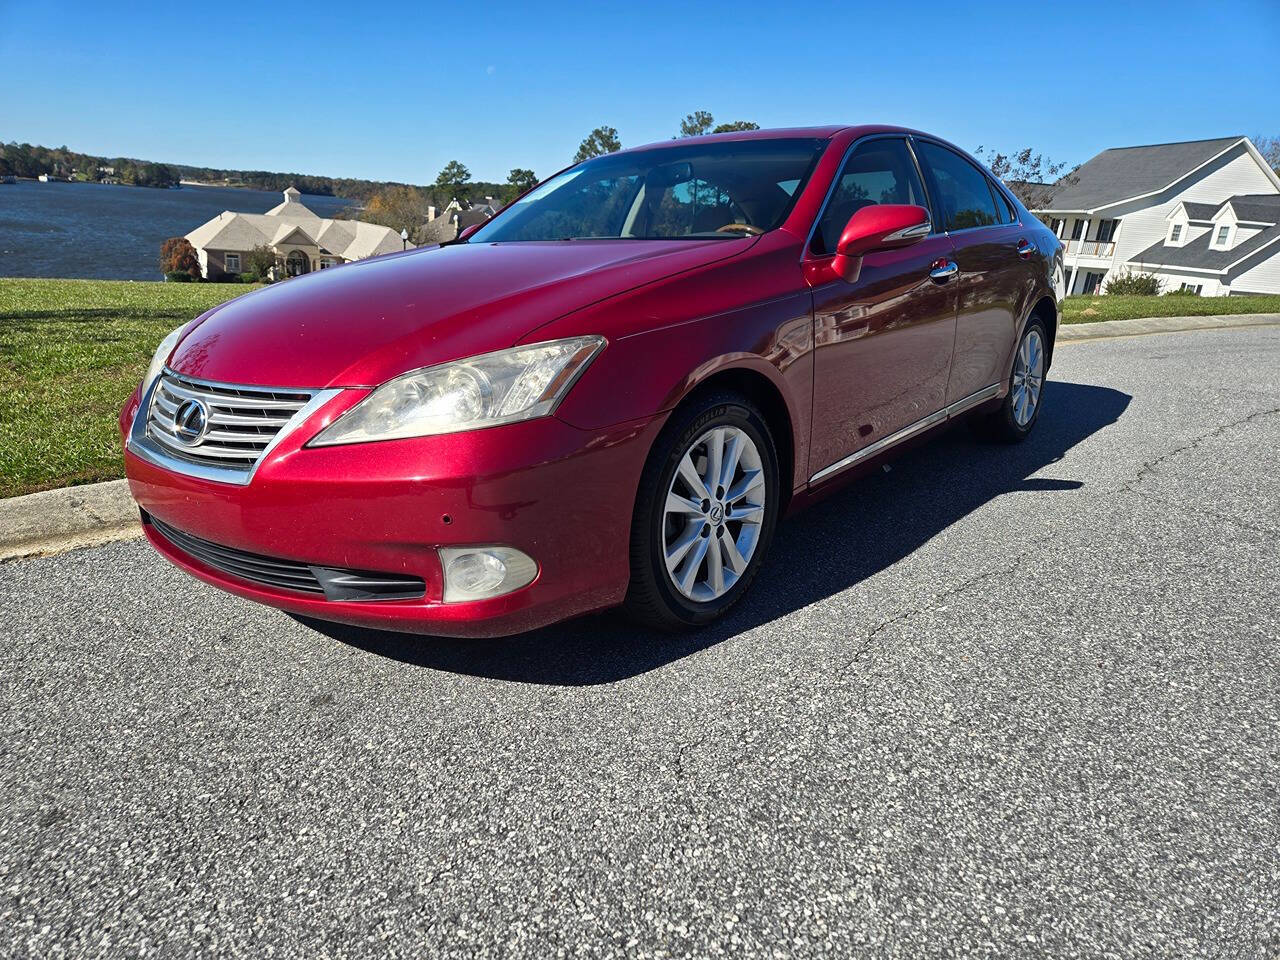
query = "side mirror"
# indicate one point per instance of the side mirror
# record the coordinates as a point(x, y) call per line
point(882, 226)
point(469, 231)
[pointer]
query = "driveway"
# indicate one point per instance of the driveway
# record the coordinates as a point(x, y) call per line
point(993, 701)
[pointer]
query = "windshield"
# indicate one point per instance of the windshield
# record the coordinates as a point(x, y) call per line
point(704, 191)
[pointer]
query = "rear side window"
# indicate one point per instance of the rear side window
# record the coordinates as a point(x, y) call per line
point(963, 191)
point(879, 171)
point(1004, 209)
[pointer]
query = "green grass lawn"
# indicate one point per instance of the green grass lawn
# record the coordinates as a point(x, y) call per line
point(1093, 309)
point(71, 351)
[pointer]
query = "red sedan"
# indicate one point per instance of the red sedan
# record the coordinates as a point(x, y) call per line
point(607, 394)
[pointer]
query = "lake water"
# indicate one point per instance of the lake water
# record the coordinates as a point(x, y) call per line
point(112, 232)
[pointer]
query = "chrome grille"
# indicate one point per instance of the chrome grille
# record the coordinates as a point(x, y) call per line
point(242, 420)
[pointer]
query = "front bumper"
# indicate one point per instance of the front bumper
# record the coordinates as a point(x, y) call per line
point(562, 495)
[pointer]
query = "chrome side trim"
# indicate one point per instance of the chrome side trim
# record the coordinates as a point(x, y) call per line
point(919, 230)
point(960, 406)
point(906, 433)
point(147, 449)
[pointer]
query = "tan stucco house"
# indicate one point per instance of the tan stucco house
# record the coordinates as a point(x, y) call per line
point(301, 240)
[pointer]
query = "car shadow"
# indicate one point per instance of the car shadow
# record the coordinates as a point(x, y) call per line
point(837, 543)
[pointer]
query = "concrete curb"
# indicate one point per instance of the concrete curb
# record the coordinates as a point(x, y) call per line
point(1070, 332)
point(56, 520)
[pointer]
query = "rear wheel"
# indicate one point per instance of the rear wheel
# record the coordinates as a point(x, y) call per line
point(1017, 415)
point(705, 514)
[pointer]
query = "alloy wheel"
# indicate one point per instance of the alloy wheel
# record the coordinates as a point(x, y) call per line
point(1028, 377)
point(714, 513)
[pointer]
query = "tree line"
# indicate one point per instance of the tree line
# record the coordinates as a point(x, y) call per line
point(27, 160)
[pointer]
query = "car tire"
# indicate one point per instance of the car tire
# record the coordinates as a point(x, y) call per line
point(1017, 415)
point(718, 535)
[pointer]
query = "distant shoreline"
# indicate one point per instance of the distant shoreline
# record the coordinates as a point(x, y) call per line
point(221, 186)
point(98, 183)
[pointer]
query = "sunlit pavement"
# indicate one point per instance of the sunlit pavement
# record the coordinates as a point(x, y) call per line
point(995, 701)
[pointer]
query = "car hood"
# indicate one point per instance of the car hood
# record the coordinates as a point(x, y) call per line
point(364, 323)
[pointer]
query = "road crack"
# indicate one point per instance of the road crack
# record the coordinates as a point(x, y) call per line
point(938, 600)
point(1150, 467)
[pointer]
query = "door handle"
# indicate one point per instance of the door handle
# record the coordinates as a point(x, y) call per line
point(944, 270)
point(1026, 249)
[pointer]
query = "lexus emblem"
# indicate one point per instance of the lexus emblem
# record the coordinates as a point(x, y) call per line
point(191, 422)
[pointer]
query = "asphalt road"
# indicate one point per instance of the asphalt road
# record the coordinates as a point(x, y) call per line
point(993, 702)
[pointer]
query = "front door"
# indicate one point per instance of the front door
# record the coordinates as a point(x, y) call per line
point(993, 274)
point(882, 343)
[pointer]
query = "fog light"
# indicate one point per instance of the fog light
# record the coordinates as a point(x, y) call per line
point(476, 573)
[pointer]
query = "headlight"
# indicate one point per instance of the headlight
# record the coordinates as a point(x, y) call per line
point(161, 355)
point(503, 387)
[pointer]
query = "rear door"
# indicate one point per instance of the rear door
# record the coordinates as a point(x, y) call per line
point(882, 343)
point(989, 249)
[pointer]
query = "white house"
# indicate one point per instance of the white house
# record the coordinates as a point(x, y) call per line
point(302, 240)
point(1202, 215)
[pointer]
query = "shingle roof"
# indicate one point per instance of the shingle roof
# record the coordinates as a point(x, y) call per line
point(1197, 253)
point(349, 239)
point(292, 232)
point(228, 231)
point(1200, 211)
point(440, 230)
point(1124, 172)
point(1257, 207)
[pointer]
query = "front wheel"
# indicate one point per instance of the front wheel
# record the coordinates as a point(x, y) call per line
point(705, 514)
point(1017, 415)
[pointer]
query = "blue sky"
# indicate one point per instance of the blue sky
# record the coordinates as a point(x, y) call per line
point(394, 91)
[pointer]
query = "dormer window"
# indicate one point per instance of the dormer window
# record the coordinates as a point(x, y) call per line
point(1175, 234)
point(1222, 235)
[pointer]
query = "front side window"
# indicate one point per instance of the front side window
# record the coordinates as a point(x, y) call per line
point(1223, 232)
point(1176, 233)
point(963, 191)
point(709, 191)
point(233, 263)
point(879, 171)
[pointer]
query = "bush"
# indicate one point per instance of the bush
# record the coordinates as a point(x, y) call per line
point(250, 278)
point(1181, 293)
point(261, 260)
point(1134, 285)
point(178, 255)
point(178, 276)
point(228, 278)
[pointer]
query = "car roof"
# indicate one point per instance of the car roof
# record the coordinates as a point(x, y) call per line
point(776, 133)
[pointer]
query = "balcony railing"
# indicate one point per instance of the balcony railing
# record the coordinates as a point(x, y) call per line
point(1089, 248)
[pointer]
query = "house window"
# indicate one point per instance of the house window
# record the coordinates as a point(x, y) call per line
point(327, 262)
point(1224, 231)
point(1077, 230)
point(1176, 233)
point(231, 263)
point(1193, 288)
point(1056, 226)
point(1092, 281)
point(1107, 230)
